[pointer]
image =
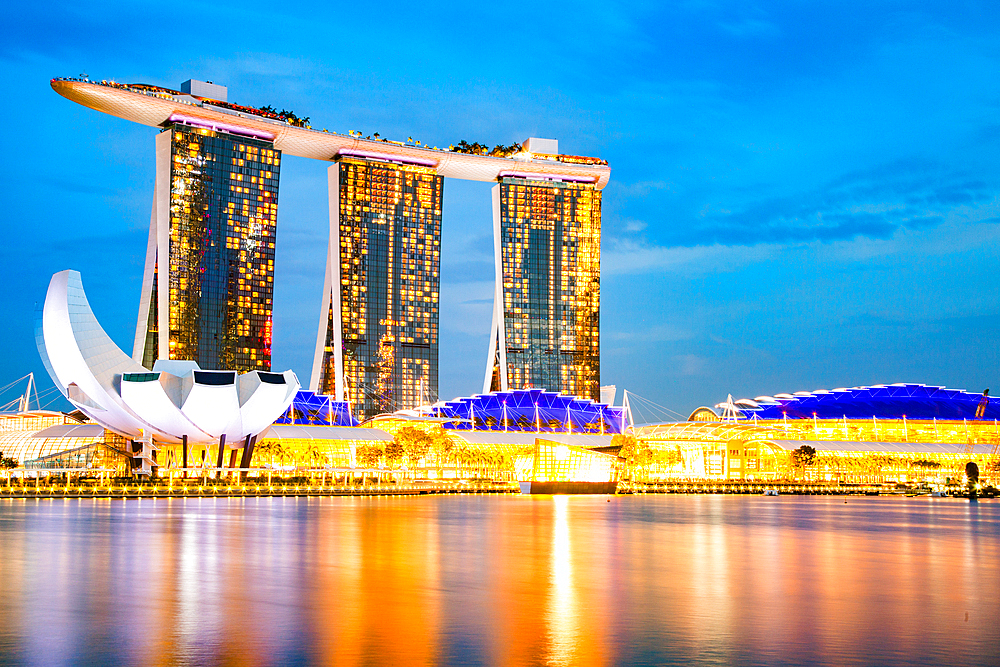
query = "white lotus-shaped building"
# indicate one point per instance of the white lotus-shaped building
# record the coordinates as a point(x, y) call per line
point(174, 402)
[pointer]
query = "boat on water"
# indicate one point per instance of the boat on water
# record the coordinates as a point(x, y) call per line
point(939, 494)
point(770, 492)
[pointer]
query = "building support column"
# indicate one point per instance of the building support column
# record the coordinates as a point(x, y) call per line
point(331, 331)
point(247, 456)
point(146, 293)
point(222, 448)
point(498, 336)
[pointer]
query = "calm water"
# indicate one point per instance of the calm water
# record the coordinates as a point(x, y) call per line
point(500, 580)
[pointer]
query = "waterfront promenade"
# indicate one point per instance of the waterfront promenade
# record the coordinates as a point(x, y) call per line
point(222, 489)
point(197, 488)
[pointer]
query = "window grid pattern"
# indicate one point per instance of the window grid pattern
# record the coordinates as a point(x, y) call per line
point(390, 253)
point(550, 236)
point(223, 215)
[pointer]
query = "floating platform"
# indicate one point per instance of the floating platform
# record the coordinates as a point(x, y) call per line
point(561, 488)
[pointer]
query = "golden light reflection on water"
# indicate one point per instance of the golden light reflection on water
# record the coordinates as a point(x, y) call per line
point(500, 580)
point(562, 610)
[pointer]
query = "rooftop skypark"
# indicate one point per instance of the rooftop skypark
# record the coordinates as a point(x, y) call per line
point(270, 114)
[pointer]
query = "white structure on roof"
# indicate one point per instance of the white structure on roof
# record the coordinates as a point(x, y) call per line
point(176, 402)
point(541, 146)
point(204, 89)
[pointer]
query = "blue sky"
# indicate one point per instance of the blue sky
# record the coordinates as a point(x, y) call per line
point(803, 194)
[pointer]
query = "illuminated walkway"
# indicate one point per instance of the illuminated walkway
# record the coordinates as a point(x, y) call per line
point(165, 489)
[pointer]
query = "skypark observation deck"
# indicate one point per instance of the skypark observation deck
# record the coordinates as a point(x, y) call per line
point(159, 107)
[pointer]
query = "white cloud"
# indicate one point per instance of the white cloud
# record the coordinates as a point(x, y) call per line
point(630, 257)
point(691, 364)
point(656, 333)
point(954, 236)
point(467, 307)
point(643, 188)
point(751, 28)
point(635, 225)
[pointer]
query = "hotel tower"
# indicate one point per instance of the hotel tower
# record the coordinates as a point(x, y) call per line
point(209, 276)
point(208, 285)
point(547, 301)
point(377, 346)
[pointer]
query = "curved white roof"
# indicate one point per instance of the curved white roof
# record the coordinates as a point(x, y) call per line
point(121, 395)
point(156, 110)
point(71, 431)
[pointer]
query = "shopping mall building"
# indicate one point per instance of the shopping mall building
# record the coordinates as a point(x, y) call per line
point(916, 433)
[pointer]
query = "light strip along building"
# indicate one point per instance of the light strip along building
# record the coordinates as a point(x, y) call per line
point(379, 348)
point(546, 313)
point(558, 352)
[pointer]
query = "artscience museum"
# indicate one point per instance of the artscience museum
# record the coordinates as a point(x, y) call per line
point(175, 402)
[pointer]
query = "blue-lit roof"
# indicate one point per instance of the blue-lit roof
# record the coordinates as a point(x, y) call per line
point(532, 410)
point(311, 409)
point(915, 401)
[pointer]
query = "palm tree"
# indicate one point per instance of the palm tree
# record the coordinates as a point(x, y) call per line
point(463, 458)
point(315, 455)
point(263, 450)
point(441, 445)
point(268, 449)
point(278, 452)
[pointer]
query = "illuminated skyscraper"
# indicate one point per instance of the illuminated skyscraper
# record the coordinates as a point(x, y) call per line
point(546, 313)
point(379, 347)
point(213, 228)
point(209, 277)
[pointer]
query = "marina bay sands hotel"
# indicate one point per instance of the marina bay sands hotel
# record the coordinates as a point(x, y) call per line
point(208, 287)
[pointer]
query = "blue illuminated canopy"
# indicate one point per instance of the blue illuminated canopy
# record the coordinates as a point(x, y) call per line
point(894, 401)
point(311, 409)
point(531, 410)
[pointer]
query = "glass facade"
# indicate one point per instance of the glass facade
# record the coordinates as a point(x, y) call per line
point(390, 254)
point(555, 462)
point(223, 206)
point(550, 242)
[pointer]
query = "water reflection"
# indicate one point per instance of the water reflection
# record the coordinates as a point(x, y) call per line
point(499, 580)
point(562, 612)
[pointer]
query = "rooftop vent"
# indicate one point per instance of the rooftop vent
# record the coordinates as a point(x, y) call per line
point(541, 146)
point(204, 89)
